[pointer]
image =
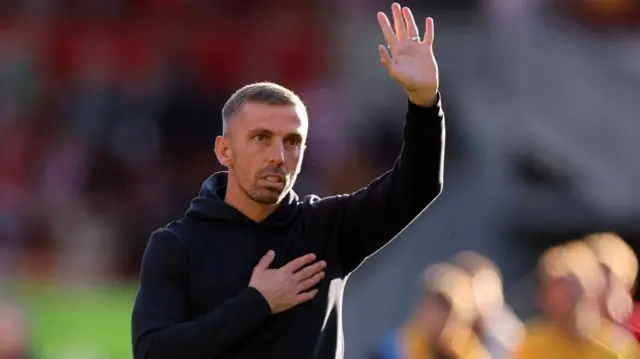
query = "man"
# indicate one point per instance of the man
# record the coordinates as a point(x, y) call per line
point(572, 283)
point(251, 271)
point(440, 325)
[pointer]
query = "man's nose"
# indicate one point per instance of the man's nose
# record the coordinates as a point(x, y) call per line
point(276, 154)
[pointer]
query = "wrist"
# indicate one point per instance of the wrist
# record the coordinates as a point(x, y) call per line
point(424, 100)
point(257, 301)
point(266, 300)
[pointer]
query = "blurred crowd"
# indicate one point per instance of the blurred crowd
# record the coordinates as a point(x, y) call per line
point(584, 295)
point(109, 111)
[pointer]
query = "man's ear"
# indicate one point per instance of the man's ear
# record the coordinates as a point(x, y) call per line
point(223, 151)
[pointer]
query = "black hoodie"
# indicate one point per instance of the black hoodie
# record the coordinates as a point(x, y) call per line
point(194, 300)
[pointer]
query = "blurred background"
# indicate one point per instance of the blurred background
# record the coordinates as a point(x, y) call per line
point(109, 110)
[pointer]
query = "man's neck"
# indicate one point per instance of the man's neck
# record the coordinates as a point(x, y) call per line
point(253, 210)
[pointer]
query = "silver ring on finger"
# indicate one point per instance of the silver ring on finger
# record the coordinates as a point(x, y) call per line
point(417, 38)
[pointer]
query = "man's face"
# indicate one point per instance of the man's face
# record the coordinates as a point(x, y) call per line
point(560, 297)
point(434, 315)
point(264, 148)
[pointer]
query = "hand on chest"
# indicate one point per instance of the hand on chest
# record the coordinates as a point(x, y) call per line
point(223, 266)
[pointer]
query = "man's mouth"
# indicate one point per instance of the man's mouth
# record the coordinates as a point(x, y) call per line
point(274, 178)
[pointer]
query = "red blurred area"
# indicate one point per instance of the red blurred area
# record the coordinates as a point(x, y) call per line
point(219, 53)
point(85, 84)
point(602, 14)
point(633, 323)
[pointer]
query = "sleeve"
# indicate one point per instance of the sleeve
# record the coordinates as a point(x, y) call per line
point(161, 324)
point(374, 215)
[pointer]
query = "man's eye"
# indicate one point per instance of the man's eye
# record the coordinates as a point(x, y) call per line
point(260, 138)
point(294, 142)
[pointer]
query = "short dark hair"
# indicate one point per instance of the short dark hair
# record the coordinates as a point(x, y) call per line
point(263, 92)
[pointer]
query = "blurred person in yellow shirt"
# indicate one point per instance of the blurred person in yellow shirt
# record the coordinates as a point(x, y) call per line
point(572, 284)
point(440, 325)
point(497, 326)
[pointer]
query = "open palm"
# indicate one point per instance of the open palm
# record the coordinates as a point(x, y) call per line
point(409, 60)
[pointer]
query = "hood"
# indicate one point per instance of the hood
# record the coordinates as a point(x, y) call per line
point(210, 204)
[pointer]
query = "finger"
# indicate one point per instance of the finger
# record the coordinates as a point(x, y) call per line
point(299, 262)
point(428, 33)
point(387, 31)
point(310, 282)
point(385, 58)
point(266, 260)
point(398, 21)
point(310, 270)
point(306, 296)
point(412, 27)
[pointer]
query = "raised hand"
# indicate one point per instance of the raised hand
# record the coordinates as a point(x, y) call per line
point(408, 59)
point(290, 285)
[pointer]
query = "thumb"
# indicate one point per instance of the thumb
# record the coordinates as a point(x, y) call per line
point(266, 260)
point(385, 58)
